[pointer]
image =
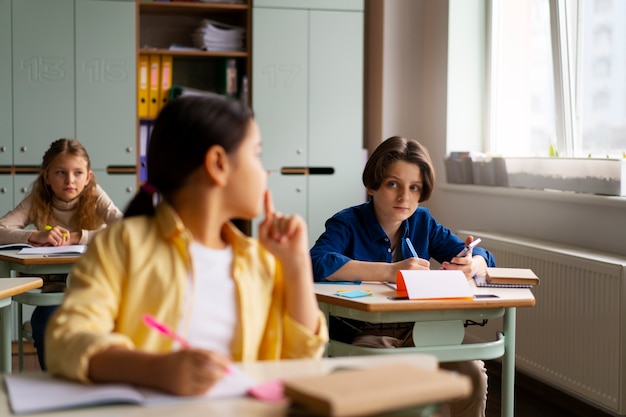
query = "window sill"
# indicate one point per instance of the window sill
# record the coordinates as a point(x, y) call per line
point(604, 177)
point(546, 195)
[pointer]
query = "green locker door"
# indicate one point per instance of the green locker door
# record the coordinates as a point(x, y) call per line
point(6, 87)
point(119, 187)
point(280, 89)
point(335, 113)
point(43, 76)
point(22, 185)
point(105, 81)
point(6, 193)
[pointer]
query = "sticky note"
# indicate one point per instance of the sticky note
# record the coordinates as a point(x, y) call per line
point(354, 294)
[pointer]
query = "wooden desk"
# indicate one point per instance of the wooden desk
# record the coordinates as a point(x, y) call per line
point(438, 326)
point(9, 288)
point(261, 372)
point(11, 262)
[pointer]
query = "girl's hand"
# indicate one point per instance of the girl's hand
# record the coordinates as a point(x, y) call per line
point(52, 236)
point(191, 372)
point(284, 235)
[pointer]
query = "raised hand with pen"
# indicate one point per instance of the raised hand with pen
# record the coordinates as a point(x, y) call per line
point(217, 294)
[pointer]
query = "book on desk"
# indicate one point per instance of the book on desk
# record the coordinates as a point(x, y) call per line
point(66, 250)
point(507, 278)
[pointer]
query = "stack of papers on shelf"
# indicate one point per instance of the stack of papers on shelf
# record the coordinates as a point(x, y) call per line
point(216, 36)
point(68, 250)
point(223, 1)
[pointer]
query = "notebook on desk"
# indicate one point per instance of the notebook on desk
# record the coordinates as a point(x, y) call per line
point(38, 392)
point(481, 281)
point(67, 250)
point(15, 246)
point(357, 392)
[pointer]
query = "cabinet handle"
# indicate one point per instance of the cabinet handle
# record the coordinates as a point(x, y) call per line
point(23, 190)
point(307, 170)
point(3, 148)
point(129, 189)
point(3, 190)
point(23, 149)
point(129, 149)
point(298, 189)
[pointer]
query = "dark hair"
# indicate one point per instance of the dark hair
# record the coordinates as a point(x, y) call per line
point(185, 129)
point(86, 216)
point(394, 149)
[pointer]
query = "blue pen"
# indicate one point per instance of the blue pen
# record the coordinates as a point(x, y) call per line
point(411, 248)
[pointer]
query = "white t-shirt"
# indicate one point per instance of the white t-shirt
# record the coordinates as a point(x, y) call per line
point(210, 301)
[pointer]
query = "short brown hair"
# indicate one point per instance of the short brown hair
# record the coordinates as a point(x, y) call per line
point(398, 148)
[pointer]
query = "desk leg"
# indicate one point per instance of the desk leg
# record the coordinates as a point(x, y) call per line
point(324, 308)
point(5, 342)
point(508, 364)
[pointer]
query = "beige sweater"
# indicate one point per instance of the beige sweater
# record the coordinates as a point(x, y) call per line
point(16, 225)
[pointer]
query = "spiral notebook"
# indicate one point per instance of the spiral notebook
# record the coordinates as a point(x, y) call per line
point(481, 281)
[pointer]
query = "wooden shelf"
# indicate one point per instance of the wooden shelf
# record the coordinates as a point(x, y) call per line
point(186, 7)
point(195, 54)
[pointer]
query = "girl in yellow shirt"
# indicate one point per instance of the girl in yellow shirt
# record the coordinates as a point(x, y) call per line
point(257, 301)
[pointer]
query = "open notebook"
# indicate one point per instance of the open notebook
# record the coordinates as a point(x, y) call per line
point(66, 250)
point(37, 392)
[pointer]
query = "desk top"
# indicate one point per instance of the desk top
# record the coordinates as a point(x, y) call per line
point(12, 257)
point(380, 302)
point(244, 406)
point(13, 286)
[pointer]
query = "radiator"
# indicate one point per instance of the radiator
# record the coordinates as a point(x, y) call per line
point(575, 337)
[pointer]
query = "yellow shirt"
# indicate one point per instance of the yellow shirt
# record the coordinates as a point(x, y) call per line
point(141, 265)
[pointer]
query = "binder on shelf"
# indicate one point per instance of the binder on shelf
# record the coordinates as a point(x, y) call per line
point(142, 87)
point(153, 89)
point(229, 81)
point(145, 128)
point(166, 79)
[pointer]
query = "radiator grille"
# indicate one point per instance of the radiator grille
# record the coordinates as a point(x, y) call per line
point(573, 337)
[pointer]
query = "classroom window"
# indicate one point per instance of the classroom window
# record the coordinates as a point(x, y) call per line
point(557, 78)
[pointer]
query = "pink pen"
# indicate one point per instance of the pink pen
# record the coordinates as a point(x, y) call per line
point(163, 329)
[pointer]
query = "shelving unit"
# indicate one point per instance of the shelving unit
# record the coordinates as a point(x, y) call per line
point(163, 24)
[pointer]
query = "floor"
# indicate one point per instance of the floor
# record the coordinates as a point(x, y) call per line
point(532, 398)
point(535, 399)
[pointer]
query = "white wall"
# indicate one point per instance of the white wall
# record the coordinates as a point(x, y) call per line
point(414, 90)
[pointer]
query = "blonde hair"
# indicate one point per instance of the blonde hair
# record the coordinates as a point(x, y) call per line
point(86, 216)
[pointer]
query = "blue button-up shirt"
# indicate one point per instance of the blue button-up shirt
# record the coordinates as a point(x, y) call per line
point(355, 234)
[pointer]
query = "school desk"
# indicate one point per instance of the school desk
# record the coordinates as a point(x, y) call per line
point(8, 288)
point(439, 324)
point(11, 262)
point(261, 371)
point(33, 265)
